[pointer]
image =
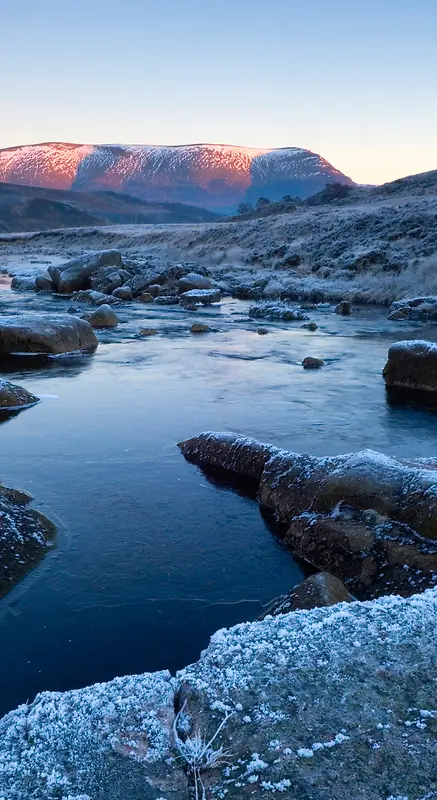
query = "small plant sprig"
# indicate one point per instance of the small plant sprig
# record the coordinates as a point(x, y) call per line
point(198, 754)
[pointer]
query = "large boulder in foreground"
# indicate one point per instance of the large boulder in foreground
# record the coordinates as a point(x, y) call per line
point(110, 741)
point(14, 397)
point(76, 274)
point(332, 703)
point(316, 705)
point(45, 333)
point(25, 537)
point(412, 365)
point(291, 483)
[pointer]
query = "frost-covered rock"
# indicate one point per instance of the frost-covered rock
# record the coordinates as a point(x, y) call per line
point(45, 333)
point(193, 280)
point(167, 300)
point(21, 283)
point(238, 455)
point(110, 741)
point(76, 274)
point(333, 702)
point(15, 397)
point(414, 308)
point(103, 317)
point(123, 293)
point(371, 553)
point(44, 283)
point(25, 537)
point(321, 589)
point(280, 311)
point(291, 483)
point(312, 363)
point(412, 365)
point(343, 308)
point(108, 279)
point(93, 298)
point(145, 297)
point(200, 327)
point(203, 297)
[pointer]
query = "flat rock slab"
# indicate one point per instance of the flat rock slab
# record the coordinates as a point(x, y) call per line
point(45, 333)
point(280, 311)
point(201, 297)
point(110, 741)
point(331, 703)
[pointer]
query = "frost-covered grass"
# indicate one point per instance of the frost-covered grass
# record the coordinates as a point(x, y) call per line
point(198, 754)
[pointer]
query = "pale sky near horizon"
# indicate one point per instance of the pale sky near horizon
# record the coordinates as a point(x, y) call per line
point(353, 81)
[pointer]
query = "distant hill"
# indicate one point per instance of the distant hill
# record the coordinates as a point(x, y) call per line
point(27, 208)
point(217, 177)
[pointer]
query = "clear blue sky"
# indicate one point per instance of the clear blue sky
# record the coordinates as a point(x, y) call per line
point(354, 81)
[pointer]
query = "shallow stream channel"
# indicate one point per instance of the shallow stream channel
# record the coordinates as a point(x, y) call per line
point(151, 556)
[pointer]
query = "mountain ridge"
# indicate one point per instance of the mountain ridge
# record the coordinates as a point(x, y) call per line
point(29, 208)
point(214, 176)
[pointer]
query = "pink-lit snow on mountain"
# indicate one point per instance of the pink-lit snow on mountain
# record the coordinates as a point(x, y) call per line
point(213, 175)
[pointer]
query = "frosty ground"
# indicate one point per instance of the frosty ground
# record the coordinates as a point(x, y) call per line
point(375, 245)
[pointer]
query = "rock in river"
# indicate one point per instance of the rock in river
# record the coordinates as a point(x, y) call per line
point(201, 297)
point(93, 298)
point(290, 484)
point(76, 274)
point(343, 308)
point(321, 589)
point(25, 537)
point(421, 308)
point(194, 281)
point(13, 397)
point(280, 311)
point(200, 327)
point(45, 333)
point(103, 317)
point(312, 363)
point(412, 365)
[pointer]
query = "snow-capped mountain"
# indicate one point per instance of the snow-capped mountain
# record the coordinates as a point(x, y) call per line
point(214, 176)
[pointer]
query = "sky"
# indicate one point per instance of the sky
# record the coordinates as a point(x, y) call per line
point(352, 80)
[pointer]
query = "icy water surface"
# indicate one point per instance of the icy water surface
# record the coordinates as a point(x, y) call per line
point(151, 556)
